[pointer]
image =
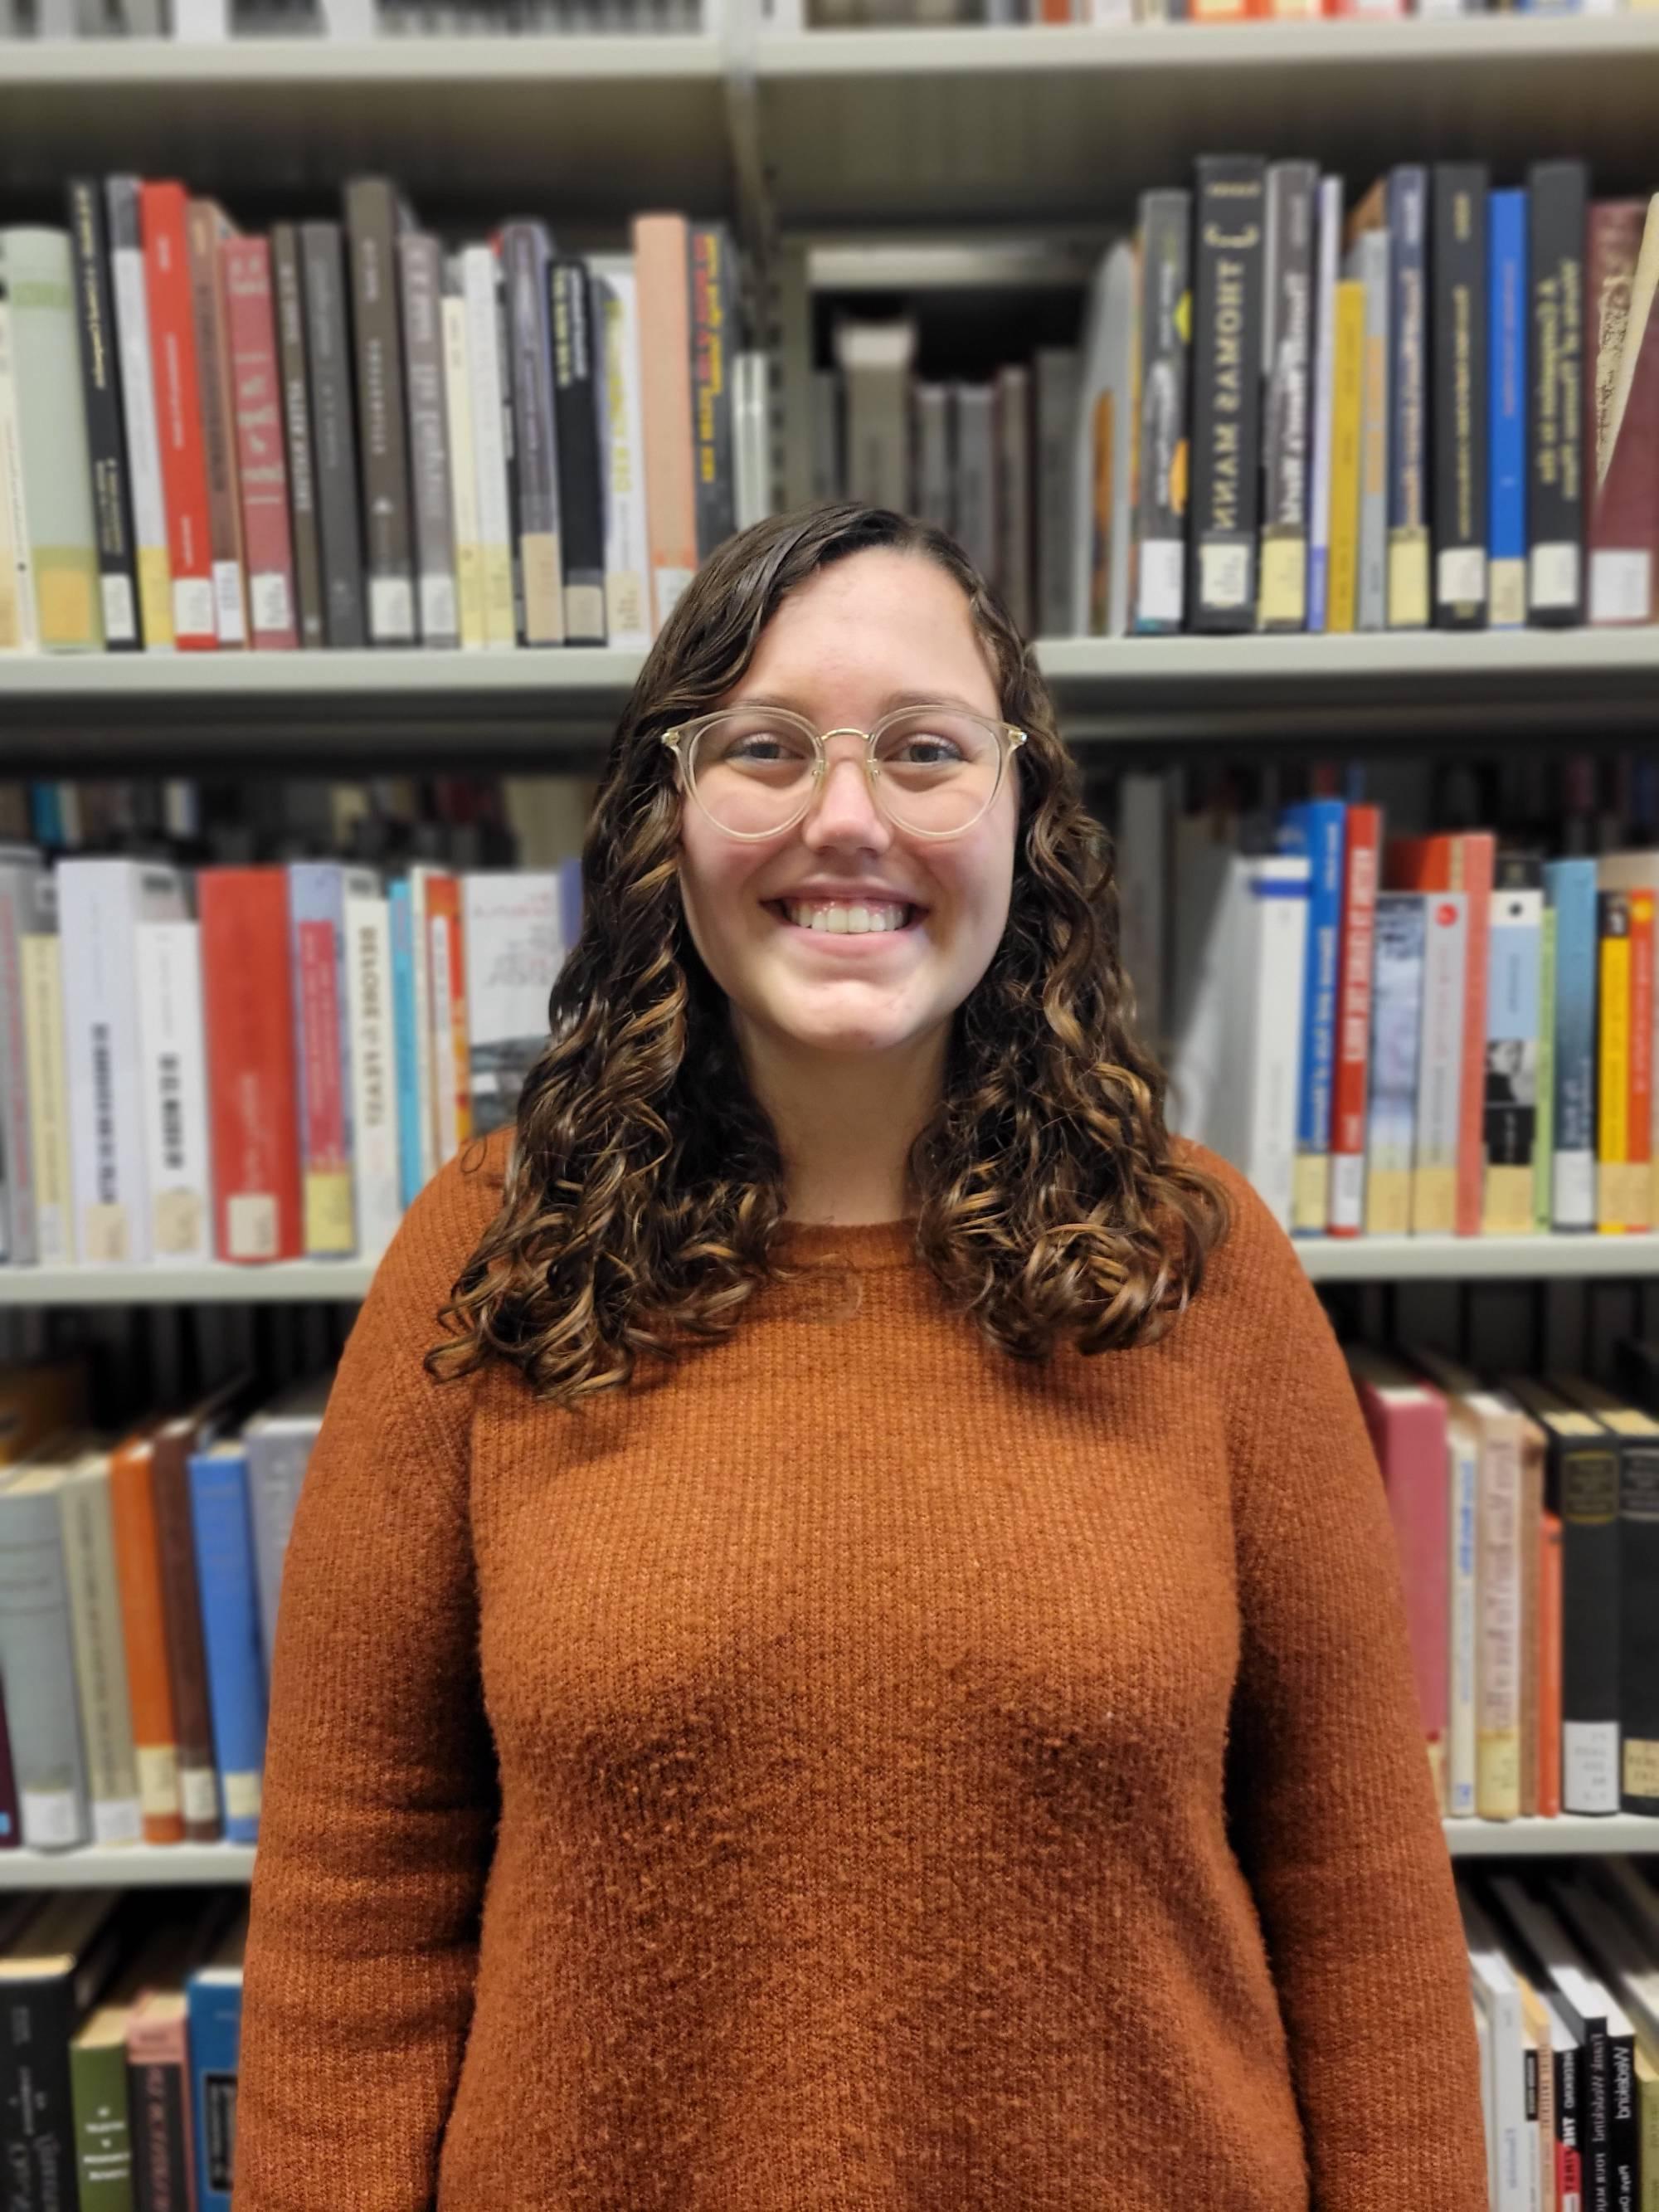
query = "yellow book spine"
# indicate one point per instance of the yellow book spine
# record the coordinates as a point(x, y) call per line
point(1647, 2108)
point(1346, 414)
point(1612, 1083)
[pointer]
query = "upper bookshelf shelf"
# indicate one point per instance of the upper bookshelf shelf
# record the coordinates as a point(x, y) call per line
point(581, 128)
point(1003, 126)
point(176, 711)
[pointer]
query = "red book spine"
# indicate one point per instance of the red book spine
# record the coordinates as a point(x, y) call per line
point(253, 1103)
point(179, 415)
point(1622, 429)
point(1347, 1214)
point(324, 1137)
point(1640, 1147)
point(246, 265)
point(1473, 863)
point(1549, 1665)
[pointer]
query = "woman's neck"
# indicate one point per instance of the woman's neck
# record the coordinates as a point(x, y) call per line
point(845, 1122)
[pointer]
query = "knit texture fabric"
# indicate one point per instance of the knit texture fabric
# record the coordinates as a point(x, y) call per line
point(852, 1772)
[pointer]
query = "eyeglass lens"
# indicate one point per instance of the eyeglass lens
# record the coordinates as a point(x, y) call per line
point(751, 772)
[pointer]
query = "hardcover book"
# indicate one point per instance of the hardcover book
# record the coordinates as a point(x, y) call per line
point(1228, 267)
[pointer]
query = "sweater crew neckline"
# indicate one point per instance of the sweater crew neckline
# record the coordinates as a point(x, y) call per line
point(861, 1244)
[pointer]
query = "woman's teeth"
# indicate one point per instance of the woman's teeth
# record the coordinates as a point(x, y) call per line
point(843, 920)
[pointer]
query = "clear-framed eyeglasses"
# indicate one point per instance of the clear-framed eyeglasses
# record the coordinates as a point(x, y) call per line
point(754, 771)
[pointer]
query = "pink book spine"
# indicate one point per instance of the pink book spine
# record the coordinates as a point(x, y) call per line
point(1408, 1433)
point(670, 496)
point(246, 266)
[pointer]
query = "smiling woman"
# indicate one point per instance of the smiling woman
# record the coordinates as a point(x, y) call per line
point(868, 1670)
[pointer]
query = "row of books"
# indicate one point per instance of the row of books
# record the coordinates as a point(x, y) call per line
point(343, 434)
point(255, 1064)
point(123, 2034)
point(210, 22)
point(1420, 1036)
point(1439, 406)
point(1564, 1981)
point(139, 1582)
point(1529, 1557)
point(837, 14)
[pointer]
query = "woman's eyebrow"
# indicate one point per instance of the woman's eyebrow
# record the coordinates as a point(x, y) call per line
point(890, 705)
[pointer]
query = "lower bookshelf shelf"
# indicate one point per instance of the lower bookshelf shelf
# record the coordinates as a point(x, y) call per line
point(161, 1865)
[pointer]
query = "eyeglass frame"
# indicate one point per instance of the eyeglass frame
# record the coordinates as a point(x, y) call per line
point(1010, 739)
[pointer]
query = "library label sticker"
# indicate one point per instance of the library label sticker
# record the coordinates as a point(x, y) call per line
point(1163, 576)
point(1461, 576)
point(1224, 574)
point(251, 1224)
point(1619, 586)
point(1555, 580)
point(228, 602)
point(50, 1819)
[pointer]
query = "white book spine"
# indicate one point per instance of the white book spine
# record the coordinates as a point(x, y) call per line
point(423, 1067)
point(1498, 1580)
point(753, 439)
point(173, 1063)
point(86, 1518)
point(1324, 401)
point(1279, 900)
point(21, 629)
point(488, 442)
point(101, 904)
point(622, 442)
point(149, 516)
point(373, 1074)
point(1463, 1472)
point(1440, 1062)
point(1509, 2098)
point(43, 1039)
point(463, 474)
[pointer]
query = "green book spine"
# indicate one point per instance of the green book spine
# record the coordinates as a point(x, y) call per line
point(103, 2130)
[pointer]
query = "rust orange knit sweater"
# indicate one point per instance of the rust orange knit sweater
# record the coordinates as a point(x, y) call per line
point(855, 1772)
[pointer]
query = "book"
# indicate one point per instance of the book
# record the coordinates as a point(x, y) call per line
point(1400, 927)
point(1012, 407)
point(446, 960)
point(1623, 489)
point(1318, 829)
point(1346, 1204)
point(488, 370)
point(1227, 285)
point(660, 260)
point(1408, 585)
point(52, 1972)
point(86, 1527)
point(974, 442)
point(1508, 301)
point(1292, 192)
point(333, 435)
point(278, 1441)
point(47, 1080)
point(37, 1651)
point(144, 1630)
point(373, 220)
point(21, 877)
point(1105, 451)
point(137, 385)
point(317, 892)
point(1161, 476)
point(1056, 371)
point(628, 619)
point(1368, 265)
point(875, 360)
point(713, 341)
point(577, 404)
point(207, 229)
point(1571, 888)
point(414, 1114)
point(1348, 419)
point(213, 1999)
point(20, 626)
point(287, 281)
point(175, 1441)
point(1509, 1114)
point(1458, 407)
point(1324, 400)
point(375, 1169)
point(173, 1074)
point(112, 505)
point(252, 1082)
point(222, 1530)
point(1462, 862)
point(420, 291)
point(752, 436)
point(1440, 1067)
point(526, 253)
point(514, 948)
point(261, 458)
point(463, 469)
point(37, 280)
point(1558, 196)
point(1621, 1167)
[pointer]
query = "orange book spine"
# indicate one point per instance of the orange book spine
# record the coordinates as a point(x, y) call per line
point(451, 1077)
point(1549, 1665)
point(1639, 1141)
point(661, 263)
point(143, 1627)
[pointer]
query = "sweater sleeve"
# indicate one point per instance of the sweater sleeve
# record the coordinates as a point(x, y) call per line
point(380, 1798)
point(1331, 1804)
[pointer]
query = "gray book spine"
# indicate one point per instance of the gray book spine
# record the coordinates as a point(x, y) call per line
point(20, 877)
point(976, 472)
point(289, 285)
point(1408, 420)
point(335, 442)
point(1013, 437)
point(37, 1663)
point(935, 500)
point(1292, 189)
point(1057, 373)
point(277, 1461)
point(372, 229)
point(1227, 286)
point(419, 263)
point(714, 307)
point(101, 1664)
point(1369, 265)
point(526, 253)
point(1159, 556)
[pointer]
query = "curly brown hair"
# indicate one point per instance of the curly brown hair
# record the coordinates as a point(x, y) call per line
point(644, 1198)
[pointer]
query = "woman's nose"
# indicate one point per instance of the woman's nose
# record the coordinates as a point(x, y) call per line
point(845, 805)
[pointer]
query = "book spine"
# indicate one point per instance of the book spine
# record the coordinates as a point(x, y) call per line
point(100, 1673)
point(137, 389)
point(1498, 1582)
point(713, 309)
point(426, 1070)
point(1639, 1123)
point(334, 443)
point(975, 445)
point(1509, 1117)
point(935, 493)
point(1463, 1470)
point(43, 1020)
point(20, 622)
point(1371, 268)
point(222, 1533)
point(1292, 188)
point(1638, 1626)
point(105, 438)
point(374, 1074)
point(1226, 398)
point(198, 1775)
point(1440, 1063)
point(1557, 208)
point(1549, 1665)
point(103, 2131)
point(288, 279)
point(463, 476)
point(452, 1082)
point(156, 2101)
point(1342, 588)
point(316, 920)
point(172, 1066)
point(370, 222)
point(37, 1661)
point(19, 1175)
point(525, 262)
point(1408, 507)
point(659, 259)
point(214, 2002)
point(1396, 1028)
point(1058, 372)
point(138, 1569)
point(1012, 411)
point(1571, 888)
point(420, 264)
point(576, 417)
point(262, 471)
point(480, 278)
point(405, 1031)
point(203, 230)
point(627, 530)
point(50, 454)
point(1544, 1142)
point(1278, 926)
point(1319, 828)
point(1347, 1210)
point(1473, 862)
point(252, 1080)
point(1624, 519)
point(1458, 416)
point(1506, 411)
point(1327, 266)
point(1613, 1054)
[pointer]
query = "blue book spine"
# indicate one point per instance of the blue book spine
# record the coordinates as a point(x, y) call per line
point(213, 2003)
point(223, 1529)
point(403, 1024)
point(1317, 829)
point(1569, 887)
point(1506, 416)
point(570, 902)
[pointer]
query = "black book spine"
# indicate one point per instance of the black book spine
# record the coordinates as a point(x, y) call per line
point(1598, 2144)
point(1558, 214)
point(1624, 2125)
point(289, 283)
point(1228, 256)
point(37, 2118)
point(1293, 192)
point(155, 2099)
point(525, 259)
point(1458, 415)
point(327, 349)
point(111, 491)
point(1569, 2101)
point(1408, 324)
point(575, 414)
point(1584, 1480)
point(713, 311)
point(372, 231)
point(1159, 538)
